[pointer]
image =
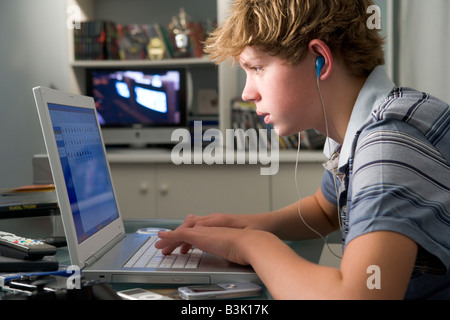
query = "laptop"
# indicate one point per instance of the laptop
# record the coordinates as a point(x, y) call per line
point(93, 226)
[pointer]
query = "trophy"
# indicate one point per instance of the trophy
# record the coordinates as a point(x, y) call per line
point(134, 42)
point(181, 34)
point(156, 49)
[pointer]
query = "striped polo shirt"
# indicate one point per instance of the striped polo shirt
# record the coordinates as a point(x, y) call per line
point(395, 175)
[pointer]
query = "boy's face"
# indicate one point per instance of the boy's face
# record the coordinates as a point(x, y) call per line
point(285, 95)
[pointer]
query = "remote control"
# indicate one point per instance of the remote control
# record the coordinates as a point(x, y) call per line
point(23, 248)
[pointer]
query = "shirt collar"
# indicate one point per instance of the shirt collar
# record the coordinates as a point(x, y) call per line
point(376, 88)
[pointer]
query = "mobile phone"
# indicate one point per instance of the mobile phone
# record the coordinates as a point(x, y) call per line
point(220, 291)
point(141, 294)
point(32, 283)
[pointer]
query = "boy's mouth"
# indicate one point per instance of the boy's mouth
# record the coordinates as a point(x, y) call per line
point(266, 116)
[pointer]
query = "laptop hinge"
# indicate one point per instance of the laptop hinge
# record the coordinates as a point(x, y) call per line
point(100, 253)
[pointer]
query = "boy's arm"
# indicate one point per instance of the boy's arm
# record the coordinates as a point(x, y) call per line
point(376, 265)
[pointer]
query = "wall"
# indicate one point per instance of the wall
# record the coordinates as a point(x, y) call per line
point(146, 12)
point(424, 46)
point(32, 52)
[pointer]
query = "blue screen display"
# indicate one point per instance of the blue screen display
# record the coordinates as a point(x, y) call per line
point(85, 168)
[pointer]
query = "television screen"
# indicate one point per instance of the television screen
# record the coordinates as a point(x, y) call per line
point(146, 97)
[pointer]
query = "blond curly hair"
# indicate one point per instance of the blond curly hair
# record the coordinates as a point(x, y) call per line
point(284, 28)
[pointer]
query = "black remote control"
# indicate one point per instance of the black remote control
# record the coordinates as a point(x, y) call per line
point(23, 248)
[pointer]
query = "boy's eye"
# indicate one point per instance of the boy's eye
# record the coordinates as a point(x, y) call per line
point(247, 67)
point(257, 69)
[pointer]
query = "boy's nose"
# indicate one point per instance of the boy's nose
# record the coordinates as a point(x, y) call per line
point(250, 93)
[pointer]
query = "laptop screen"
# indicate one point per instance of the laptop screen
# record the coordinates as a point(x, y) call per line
point(85, 168)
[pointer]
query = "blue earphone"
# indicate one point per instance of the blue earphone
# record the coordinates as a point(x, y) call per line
point(320, 61)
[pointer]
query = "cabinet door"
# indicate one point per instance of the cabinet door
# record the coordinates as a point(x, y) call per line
point(203, 189)
point(284, 191)
point(135, 189)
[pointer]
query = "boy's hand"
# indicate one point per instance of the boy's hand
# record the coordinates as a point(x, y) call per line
point(223, 242)
point(220, 234)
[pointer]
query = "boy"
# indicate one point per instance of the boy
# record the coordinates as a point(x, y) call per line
point(316, 64)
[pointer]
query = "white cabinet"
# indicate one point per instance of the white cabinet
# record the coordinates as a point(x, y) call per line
point(135, 189)
point(283, 188)
point(203, 189)
point(170, 191)
point(148, 185)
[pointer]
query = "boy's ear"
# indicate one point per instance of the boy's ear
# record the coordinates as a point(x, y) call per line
point(318, 48)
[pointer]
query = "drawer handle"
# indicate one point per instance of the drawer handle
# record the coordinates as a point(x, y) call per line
point(143, 188)
point(164, 189)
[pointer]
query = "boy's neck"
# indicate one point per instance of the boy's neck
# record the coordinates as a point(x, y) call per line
point(340, 94)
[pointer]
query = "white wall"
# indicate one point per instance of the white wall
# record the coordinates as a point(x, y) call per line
point(424, 46)
point(32, 52)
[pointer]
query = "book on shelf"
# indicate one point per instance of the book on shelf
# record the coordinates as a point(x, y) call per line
point(244, 116)
point(96, 40)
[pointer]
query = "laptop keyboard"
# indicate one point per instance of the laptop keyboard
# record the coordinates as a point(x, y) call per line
point(147, 256)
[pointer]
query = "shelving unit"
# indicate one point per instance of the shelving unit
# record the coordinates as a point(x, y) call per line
point(147, 183)
point(202, 73)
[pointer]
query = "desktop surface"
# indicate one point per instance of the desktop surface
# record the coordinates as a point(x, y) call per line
point(308, 249)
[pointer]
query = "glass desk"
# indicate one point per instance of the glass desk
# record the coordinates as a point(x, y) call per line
point(308, 249)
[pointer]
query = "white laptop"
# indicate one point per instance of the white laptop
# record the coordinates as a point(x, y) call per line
point(92, 222)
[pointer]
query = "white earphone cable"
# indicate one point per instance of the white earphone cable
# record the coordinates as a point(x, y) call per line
point(334, 179)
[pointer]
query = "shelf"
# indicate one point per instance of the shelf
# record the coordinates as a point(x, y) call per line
point(140, 63)
point(202, 72)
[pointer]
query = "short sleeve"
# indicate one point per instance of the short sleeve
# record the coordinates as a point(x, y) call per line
point(400, 182)
point(328, 188)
